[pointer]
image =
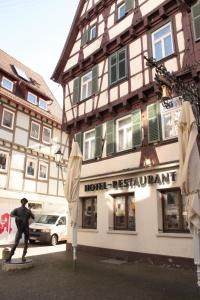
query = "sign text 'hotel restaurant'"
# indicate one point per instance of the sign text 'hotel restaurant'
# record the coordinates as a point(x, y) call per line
point(140, 181)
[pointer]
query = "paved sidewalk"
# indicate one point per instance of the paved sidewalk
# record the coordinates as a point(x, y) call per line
point(53, 278)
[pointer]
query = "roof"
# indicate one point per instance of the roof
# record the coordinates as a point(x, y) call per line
point(36, 83)
point(69, 43)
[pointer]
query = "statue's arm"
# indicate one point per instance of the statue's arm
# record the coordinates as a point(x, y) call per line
point(13, 213)
point(32, 215)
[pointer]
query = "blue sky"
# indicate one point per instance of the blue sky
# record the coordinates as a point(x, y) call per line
point(34, 32)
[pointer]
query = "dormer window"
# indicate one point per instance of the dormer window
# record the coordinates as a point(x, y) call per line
point(42, 104)
point(7, 84)
point(32, 98)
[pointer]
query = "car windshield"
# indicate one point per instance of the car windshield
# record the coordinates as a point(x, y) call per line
point(47, 219)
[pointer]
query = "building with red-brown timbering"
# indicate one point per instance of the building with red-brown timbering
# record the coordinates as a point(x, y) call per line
point(30, 134)
point(130, 200)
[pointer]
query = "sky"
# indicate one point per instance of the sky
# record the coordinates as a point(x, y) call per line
point(35, 31)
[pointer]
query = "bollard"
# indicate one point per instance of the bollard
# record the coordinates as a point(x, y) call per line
point(5, 253)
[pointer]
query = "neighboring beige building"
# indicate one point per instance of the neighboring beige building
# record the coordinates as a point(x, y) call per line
point(130, 201)
point(30, 134)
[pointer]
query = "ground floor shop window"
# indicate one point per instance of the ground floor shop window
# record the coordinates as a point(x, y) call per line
point(89, 212)
point(124, 212)
point(174, 211)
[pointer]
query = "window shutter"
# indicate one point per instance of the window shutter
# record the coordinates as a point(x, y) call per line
point(98, 140)
point(110, 137)
point(122, 64)
point(113, 68)
point(85, 37)
point(76, 91)
point(196, 20)
point(128, 5)
point(137, 128)
point(153, 123)
point(79, 140)
point(95, 74)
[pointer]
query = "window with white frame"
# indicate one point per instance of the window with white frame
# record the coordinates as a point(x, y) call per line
point(124, 133)
point(121, 11)
point(31, 168)
point(89, 145)
point(35, 130)
point(169, 119)
point(8, 118)
point(3, 161)
point(46, 135)
point(43, 171)
point(86, 85)
point(7, 84)
point(42, 104)
point(162, 42)
point(93, 32)
point(89, 212)
point(32, 98)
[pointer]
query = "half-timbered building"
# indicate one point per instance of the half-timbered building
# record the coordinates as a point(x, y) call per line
point(30, 134)
point(130, 200)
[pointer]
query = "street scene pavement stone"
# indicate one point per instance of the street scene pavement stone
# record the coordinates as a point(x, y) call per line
point(95, 278)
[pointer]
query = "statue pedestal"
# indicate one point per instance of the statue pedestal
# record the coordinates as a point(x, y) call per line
point(17, 264)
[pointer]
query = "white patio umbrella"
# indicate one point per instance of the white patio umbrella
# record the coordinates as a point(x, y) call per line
point(71, 190)
point(189, 175)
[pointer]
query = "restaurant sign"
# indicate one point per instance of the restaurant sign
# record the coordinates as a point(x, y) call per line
point(139, 181)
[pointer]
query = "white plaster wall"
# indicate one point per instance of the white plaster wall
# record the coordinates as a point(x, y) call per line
point(16, 180)
point(71, 62)
point(135, 48)
point(148, 6)
point(17, 160)
point(42, 187)
point(60, 189)
point(121, 26)
point(21, 137)
point(88, 50)
point(53, 170)
point(3, 180)
point(56, 135)
point(29, 185)
point(22, 120)
point(6, 135)
point(168, 152)
point(52, 187)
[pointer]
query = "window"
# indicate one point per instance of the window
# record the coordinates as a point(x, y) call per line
point(32, 98)
point(62, 221)
point(43, 171)
point(89, 145)
point(42, 104)
point(86, 85)
point(162, 42)
point(174, 212)
point(35, 130)
point(3, 161)
point(169, 119)
point(31, 168)
point(124, 134)
point(93, 32)
point(124, 8)
point(124, 212)
point(8, 118)
point(7, 84)
point(89, 35)
point(46, 135)
point(89, 213)
point(118, 66)
point(196, 20)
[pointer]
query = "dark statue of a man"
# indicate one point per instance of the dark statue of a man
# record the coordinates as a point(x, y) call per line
point(22, 216)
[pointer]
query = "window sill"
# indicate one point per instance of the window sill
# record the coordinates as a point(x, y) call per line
point(162, 60)
point(88, 230)
point(111, 85)
point(174, 235)
point(123, 232)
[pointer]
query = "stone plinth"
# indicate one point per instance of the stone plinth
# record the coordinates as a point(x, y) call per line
point(17, 264)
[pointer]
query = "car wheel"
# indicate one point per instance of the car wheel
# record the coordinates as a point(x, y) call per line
point(54, 240)
point(31, 241)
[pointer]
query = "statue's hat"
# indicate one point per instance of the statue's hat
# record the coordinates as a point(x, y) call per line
point(24, 201)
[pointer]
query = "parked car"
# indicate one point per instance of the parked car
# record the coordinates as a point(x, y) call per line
point(50, 228)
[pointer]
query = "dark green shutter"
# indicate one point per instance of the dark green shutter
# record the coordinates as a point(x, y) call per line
point(98, 140)
point(128, 5)
point(153, 123)
point(110, 137)
point(196, 20)
point(113, 69)
point(95, 75)
point(76, 91)
point(85, 37)
point(137, 128)
point(122, 64)
point(79, 140)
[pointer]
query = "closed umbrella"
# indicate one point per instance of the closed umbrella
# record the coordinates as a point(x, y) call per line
point(189, 175)
point(71, 190)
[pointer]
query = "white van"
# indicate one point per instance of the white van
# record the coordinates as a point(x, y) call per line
point(50, 228)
